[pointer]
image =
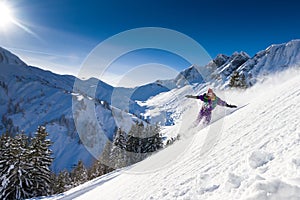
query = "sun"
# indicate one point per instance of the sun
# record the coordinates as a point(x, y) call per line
point(6, 17)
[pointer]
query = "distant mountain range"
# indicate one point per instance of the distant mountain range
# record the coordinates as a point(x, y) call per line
point(30, 96)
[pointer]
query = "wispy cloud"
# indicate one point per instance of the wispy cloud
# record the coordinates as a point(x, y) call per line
point(62, 64)
point(140, 75)
point(58, 53)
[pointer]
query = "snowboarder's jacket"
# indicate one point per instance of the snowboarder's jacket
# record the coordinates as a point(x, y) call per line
point(210, 103)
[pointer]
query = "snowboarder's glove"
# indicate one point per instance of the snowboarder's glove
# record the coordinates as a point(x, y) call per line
point(231, 106)
point(191, 96)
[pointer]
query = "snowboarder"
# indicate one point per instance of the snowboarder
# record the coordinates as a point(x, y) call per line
point(210, 100)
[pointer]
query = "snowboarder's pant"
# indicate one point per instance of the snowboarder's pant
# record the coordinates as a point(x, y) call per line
point(204, 114)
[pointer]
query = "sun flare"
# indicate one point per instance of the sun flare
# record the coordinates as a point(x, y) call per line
point(6, 17)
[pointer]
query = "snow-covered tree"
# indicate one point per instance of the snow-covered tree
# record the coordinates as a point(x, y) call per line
point(154, 141)
point(238, 80)
point(105, 156)
point(61, 182)
point(15, 178)
point(143, 140)
point(118, 150)
point(120, 139)
point(134, 143)
point(79, 174)
point(40, 160)
point(127, 149)
point(98, 169)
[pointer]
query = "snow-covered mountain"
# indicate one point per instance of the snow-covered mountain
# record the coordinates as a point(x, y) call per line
point(7, 57)
point(274, 59)
point(250, 154)
point(30, 97)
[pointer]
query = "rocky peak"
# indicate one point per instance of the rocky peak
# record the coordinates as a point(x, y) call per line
point(220, 59)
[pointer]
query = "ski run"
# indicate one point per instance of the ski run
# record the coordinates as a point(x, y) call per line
point(252, 153)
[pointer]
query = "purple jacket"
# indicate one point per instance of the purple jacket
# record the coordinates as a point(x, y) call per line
point(210, 104)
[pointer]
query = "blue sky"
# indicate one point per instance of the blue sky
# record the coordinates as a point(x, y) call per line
point(60, 34)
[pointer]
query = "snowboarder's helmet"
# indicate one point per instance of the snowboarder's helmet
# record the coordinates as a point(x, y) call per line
point(210, 92)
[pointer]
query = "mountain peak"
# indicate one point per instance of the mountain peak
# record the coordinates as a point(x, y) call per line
point(295, 41)
point(6, 57)
point(240, 54)
point(220, 59)
point(188, 76)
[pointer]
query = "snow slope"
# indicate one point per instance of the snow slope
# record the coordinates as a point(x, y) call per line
point(252, 153)
point(30, 97)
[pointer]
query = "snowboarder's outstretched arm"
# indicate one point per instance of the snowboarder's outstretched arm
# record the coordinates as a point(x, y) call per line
point(201, 97)
point(220, 102)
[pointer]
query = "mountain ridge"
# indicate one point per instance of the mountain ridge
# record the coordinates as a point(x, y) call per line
point(6, 57)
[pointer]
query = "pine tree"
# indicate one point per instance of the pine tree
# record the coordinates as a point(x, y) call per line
point(94, 171)
point(157, 141)
point(79, 174)
point(142, 141)
point(24, 166)
point(62, 182)
point(118, 152)
point(154, 141)
point(128, 149)
point(238, 80)
point(120, 139)
point(98, 169)
point(134, 143)
point(15, 174)
point(41, 160)
point(243, 83)
point(5, 140)
point(6, 166)
point(106, 155)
